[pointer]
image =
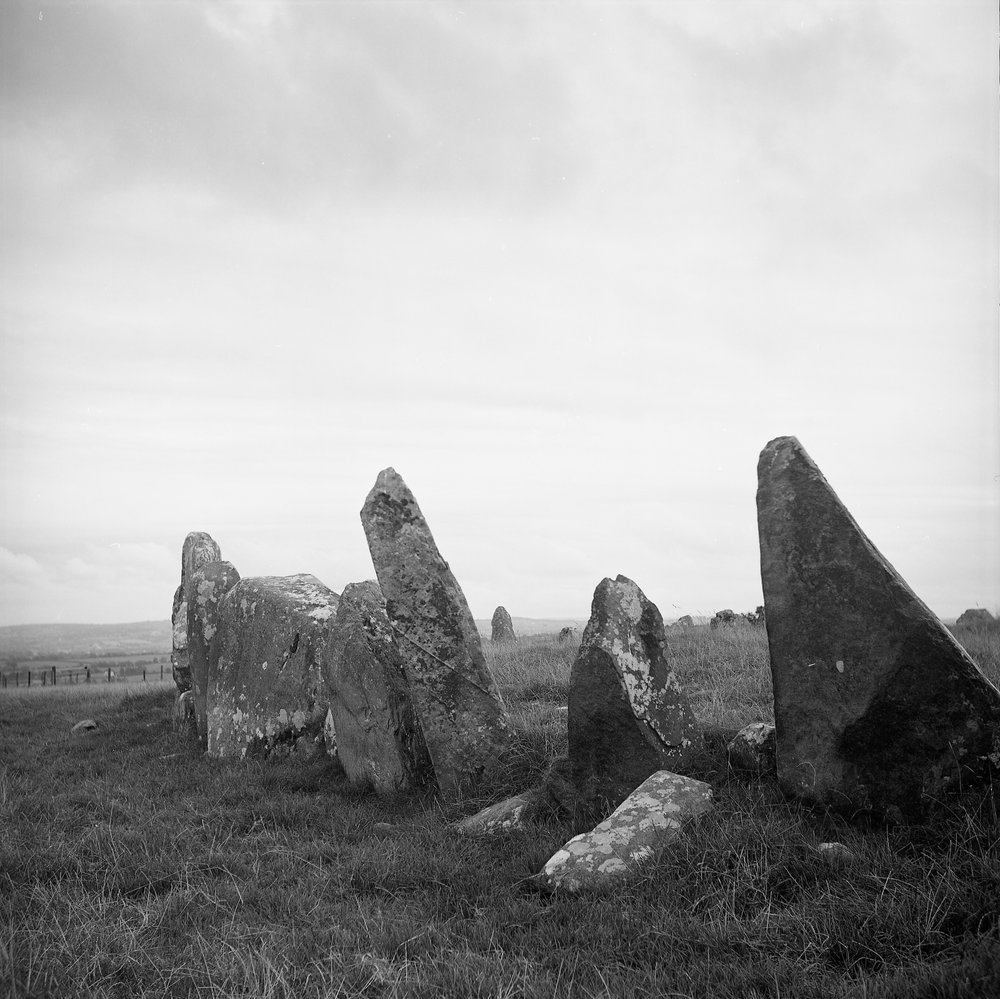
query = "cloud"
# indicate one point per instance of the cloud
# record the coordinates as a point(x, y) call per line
point(19, 569)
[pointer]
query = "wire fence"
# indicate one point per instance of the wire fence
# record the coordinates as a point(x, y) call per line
point(52, 676)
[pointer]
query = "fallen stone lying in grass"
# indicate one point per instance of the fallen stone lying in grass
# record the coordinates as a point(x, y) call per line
point(85, 726)
point(628, 716)
point(877, 707)
point(752, 749)
point(504, 816)
point(652, 816)
point(457, 702)
point(267, 688)
point(378, 739)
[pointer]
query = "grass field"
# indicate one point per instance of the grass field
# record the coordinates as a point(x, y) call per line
point(133, 866)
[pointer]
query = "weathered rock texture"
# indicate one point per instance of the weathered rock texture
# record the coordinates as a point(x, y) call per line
point(379, 741)
point(198, 549)
point(628, 716)
point(266, 684)
point(502, 628)
point(504, 816)
point(876, 705)
point(457, 702)
point(207, 585)
point(752, 749)
point(646, 821)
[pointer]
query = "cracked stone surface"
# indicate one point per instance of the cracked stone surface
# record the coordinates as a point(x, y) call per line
point(628, 716)
point(461, 714)
point(209, 583)
point(199, 549)
point(378, 738)
point(267, 691)
point(877, 707)
point(651, 817)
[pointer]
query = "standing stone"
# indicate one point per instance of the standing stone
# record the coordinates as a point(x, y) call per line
point(460, 711)
point(199, 548)
point(875, 704)
point(565, 635)
point(650, 818)
point(502, 628)
point(975, 617)
point(628, 716)
point(379, 741)
point(267, 691)
point(208, 584)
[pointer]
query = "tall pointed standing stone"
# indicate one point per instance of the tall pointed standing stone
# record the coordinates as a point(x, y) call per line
point(502, 628)
point(456, 699)
point(199, 548)
point(628, 716)
point(876, 705)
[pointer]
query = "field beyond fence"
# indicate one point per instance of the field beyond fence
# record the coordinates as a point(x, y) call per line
point(132, 865)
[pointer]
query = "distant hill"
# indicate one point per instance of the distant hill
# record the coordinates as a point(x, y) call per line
point(37, 641)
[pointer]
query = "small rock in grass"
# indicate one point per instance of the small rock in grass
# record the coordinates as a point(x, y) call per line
point(648, 819)
point(752, 749)
point(504, 816)
point(85, 726)
point(835, 851)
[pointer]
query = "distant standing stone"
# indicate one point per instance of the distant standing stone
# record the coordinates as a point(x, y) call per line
point(199, 548)
point(628, 716)
point(565, 635)
point(207, 585)
point(651, 817)
point(975, 617)
point(502, 628)
point(267, 691)
point(876, 705)
point(378, 738)
point(460, 711)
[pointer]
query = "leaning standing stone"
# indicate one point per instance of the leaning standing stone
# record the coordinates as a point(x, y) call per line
point(208, 584)
point(379, 741)
point(266, 687)
point(460, 711)
point(652, 816)
point(502, 632)
point(876, 706)
point(199, 549)
point(628, 716)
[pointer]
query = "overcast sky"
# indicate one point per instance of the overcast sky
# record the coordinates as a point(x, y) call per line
point(566, 267)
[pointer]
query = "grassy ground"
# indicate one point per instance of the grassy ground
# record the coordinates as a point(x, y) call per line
point(132, 866)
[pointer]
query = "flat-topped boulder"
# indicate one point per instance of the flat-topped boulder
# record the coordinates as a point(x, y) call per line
point(459, 708)
point(267, 690)
point(378, 738)
point(877, 707)
point(198, 549)
point(502, 628)
point(628, 716)
point(208, 584)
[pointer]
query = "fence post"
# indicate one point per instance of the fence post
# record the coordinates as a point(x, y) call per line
point(109, 674)
point(88, 673)
point(53, 676)
point(29, 677)
point(161, 671)
point(143, 674)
